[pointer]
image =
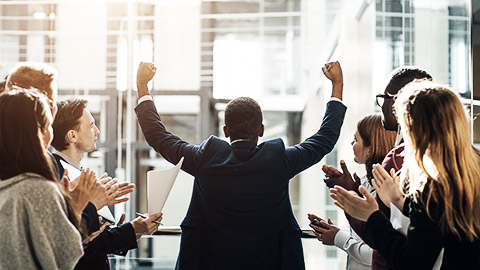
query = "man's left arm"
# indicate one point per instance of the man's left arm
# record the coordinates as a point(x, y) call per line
point(313, 149)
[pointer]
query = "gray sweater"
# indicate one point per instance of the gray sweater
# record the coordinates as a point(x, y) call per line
point(35, 232)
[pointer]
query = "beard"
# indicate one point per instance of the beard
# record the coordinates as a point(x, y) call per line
point(389, 126)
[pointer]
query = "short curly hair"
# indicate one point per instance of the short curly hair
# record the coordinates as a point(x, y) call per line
point(243, 118)
point(403, 75)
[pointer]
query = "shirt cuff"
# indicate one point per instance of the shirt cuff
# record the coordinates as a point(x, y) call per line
point(341, 238)
point(336, 99)
point(145, 98)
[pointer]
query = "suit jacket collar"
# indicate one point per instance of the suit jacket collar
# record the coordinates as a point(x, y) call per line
point(244, 150)
point(243, 144)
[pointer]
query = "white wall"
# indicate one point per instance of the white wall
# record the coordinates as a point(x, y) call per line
point(81, 45)
point(177, 46)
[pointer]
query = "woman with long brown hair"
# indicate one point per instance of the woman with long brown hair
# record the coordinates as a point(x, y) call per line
point(440, 181)
point(38, 220)
point(371, 142)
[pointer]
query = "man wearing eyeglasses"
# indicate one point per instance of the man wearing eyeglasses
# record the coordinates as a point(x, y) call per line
point(394, 159)
point(398, 79)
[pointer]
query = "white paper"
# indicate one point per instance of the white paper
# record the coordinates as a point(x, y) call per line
point(106, 214)
point(159, 185)
point(74, 173)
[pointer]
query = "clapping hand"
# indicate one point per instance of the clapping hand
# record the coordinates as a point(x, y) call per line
point(110, 192)
point(387, 186)
point(359, 208)
point(81, 194)
point(335, 177)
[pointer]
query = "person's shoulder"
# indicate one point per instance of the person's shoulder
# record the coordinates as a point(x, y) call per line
point(214, 141)
point(273, 143)
point(37, 187)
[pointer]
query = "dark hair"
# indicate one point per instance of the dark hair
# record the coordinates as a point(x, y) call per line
point(380, 140)
point(23, 117)
point(68, 117)
point(243, 118)
point(403, 75)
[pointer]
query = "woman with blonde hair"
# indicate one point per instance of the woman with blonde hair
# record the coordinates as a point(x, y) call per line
point(440, 180)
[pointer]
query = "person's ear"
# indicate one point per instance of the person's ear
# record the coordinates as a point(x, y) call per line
point(369, 151)
point(262, 129)
point(71, 136)
point(225, 130)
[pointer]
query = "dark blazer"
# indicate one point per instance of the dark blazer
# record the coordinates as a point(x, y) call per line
point(117, 240)
point(425, 240)
point(240, 216)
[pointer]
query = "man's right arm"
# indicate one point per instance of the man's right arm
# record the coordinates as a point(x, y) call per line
point(157, 136)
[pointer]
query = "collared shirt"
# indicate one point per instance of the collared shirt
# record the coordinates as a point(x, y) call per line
point(68, 159)
point(240, 140)
point(359, 253)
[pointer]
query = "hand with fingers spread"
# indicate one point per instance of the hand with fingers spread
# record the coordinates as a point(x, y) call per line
point(145, 226)
point(334, 177)
point(116, 193)
point(359, 208)
point(326, 232)
point(110, 192)
point(99, 193)
point(387, 186)
point(81, 195)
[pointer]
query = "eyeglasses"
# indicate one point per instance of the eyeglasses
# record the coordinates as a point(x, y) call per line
point(381, 98)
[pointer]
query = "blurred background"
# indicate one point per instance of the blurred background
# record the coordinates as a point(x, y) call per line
point(210, 51)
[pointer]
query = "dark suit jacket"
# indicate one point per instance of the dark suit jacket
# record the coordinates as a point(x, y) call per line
point(117, 240)
point(240, 215)
point(424, 241)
